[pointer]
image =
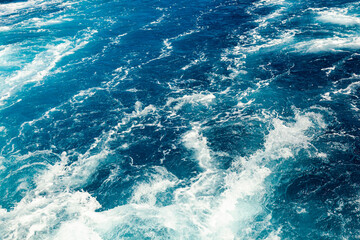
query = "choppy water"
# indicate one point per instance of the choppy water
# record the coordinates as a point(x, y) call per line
point(180, 119)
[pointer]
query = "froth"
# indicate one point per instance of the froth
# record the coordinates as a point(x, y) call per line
point(195, 141)
point(42, 64)
point(338, 16)
point(158, 182)
point(333, 44)
point(216, 204)
point(195, 99)
point(15, 7)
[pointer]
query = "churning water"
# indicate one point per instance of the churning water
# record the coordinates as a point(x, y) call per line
point(217, 119)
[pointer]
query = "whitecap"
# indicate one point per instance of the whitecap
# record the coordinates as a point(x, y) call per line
point(338, 16)
point(195, 99)
point(195, 141)
point(333, 44)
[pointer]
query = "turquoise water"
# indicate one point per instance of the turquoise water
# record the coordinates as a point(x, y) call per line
point(184, 119)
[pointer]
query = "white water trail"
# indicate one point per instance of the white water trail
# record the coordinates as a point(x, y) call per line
point(217, 204)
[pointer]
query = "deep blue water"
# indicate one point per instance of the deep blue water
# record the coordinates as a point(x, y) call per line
point(182, 119)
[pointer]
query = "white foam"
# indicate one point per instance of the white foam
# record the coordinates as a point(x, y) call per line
point(244, 184)
point(39, 22)
point(274, 235)
point(195, 99)
point(328, 70)
point(8, 56)
point(34, 217)
point(245, 181)
point(254, 40)
point(4, 28)
point(263, 3)
point(195, 141)
point(284, 37)
point(15, 7)
point(75, 230)
point(54, 205)
point(333, 44)
point(38, 211)
point(41, 65)
point(326, 96)
point(338, 16)
point(264, 21)
point(2, 167)
point(216, 204)
point(197, 61)
point(11, 8)
point(155, 22)
point(116, 41)
point(167, 48)
point(158, 182)
point(22, 8)
point(159, 20)
point(350, 89)
point(236, 57)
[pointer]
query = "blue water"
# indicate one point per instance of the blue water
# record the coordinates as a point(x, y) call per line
point(183, 119)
